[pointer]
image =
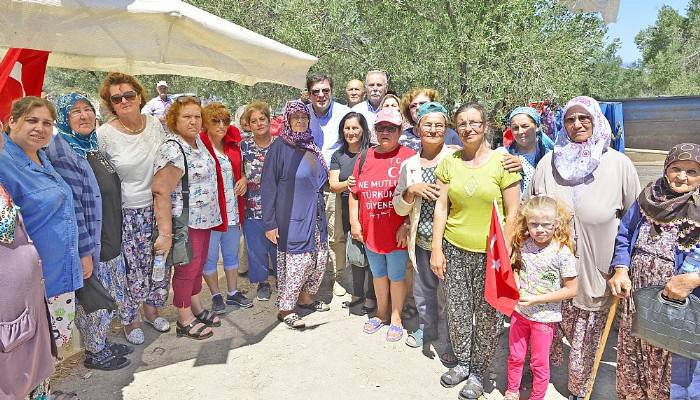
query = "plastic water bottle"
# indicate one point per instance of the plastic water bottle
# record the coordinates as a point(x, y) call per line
point(158, 267)
point(691, 262)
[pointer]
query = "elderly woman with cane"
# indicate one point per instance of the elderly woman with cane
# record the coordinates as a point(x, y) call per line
point(659, 232)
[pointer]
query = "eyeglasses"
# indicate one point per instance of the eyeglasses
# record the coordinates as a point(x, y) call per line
point(414, 106)
point(217, 121)
point(437, 127)
point(317, 92)
point(582, 118)
point(473, 124)
point(386, 128)
point(546, 225)
point(128, 95)
point(188, 99)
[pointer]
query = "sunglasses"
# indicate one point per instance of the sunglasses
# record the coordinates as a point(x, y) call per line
point(188, 99)
point(117, 98)
point(317, 92)
point(217, 121)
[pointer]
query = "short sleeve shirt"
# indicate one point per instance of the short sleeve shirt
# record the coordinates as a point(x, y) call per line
point(231, 198)
point(472, 191)
point(204, 199)
point(374, 188)
point(253, 160)
point(344, 162)
point(541, 273)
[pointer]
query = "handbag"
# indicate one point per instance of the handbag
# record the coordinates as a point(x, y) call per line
point(181, 250)
point(667, 324)
point(355, 252)
point(93, 296)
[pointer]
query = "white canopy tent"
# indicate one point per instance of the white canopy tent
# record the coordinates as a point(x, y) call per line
point(607, 8)
point(148, 37)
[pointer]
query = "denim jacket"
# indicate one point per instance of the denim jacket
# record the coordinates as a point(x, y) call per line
point(46, 202)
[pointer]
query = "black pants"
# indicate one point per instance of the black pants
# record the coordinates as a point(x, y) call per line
point(359, 276)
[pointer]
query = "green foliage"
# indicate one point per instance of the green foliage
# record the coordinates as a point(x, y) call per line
point(501, 53)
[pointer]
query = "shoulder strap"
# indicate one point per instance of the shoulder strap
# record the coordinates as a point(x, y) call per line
point(363, 156)
point(185, 179)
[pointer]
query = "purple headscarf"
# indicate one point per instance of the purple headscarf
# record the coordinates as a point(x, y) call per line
point(576, 161)
point(304, 140)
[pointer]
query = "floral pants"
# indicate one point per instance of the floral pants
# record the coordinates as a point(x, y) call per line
point(94, 327)
point(62, 310)
point(300, 272)
point(473, 324)
point(583, 329)
point(137, 247)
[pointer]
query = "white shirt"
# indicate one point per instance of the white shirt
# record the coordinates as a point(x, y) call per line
point(325, 129)
point(133, 157)
point(157, 107)
point(370, 115)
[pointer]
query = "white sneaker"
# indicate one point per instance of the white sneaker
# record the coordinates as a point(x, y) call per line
point(338, 290)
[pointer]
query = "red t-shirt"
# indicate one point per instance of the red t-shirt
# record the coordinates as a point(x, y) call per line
point(374, 189)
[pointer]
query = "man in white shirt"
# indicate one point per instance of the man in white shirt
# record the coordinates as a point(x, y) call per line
point(159, 105)
point(376, 85)
point(325, 120)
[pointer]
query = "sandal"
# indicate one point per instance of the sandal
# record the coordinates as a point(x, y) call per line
point(317, 305)
point(186, 330)
point(473, 389)
point(511, 396)
point(373, 325)
point(415, 339)
point(394, 334)
point(294, 321)
point(104, 360)
point(119, 349)
point(454, 376)
point(160, 324)
point(207, 318)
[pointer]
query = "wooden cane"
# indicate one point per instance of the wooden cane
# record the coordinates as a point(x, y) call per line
point(601, 345)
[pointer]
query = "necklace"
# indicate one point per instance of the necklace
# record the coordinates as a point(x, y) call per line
point(134, 131)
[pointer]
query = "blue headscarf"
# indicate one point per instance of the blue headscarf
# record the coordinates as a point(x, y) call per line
point(529, 111)
point(544, 143)
point(81, 144)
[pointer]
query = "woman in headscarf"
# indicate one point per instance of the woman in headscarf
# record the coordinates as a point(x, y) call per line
point(660, 229)
point(294, 215)
point(96, 192)
point(530, 144)
point(598, 184)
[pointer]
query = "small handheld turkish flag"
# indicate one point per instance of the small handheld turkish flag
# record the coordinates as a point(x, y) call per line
point(500, 289)
point(21, 74)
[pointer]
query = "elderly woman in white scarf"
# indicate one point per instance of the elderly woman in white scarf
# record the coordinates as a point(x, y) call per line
point(598, 184)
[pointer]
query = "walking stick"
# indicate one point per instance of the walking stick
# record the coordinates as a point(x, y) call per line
point(601, 345)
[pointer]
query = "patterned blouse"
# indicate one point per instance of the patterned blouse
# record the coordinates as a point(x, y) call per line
point(204, 200)
point(253, 160)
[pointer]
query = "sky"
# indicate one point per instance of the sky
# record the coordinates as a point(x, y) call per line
point(634, 16)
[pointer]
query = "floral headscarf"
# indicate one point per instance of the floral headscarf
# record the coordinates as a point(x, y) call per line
point(81, 144)
point(576, 161)
point(664, 207)
point(305, 139)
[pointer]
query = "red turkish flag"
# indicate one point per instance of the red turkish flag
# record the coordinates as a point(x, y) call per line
point(500, 289)
point(21, 74)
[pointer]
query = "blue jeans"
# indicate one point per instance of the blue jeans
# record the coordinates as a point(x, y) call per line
point(260, 250)
point(685, 378)
point(228, 242)
point(392, 264)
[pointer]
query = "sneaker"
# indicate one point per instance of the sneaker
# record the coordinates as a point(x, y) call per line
point(104, 360)
point(217, 304)
point(263, 291)
point(240, 300)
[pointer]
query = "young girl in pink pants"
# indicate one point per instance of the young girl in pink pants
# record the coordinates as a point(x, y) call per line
point(545, 269)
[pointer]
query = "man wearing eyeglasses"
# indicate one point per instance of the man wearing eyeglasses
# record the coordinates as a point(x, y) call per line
point(325, 119)
point(159, 105)
point(376, 85)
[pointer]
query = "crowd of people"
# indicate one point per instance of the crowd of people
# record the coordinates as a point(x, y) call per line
point(397, 187)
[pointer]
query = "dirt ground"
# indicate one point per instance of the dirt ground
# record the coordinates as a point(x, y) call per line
point(252, 356)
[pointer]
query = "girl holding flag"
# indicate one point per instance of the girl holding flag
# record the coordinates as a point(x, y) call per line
point(545, 268)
